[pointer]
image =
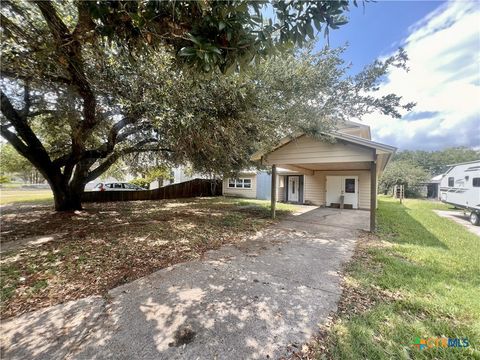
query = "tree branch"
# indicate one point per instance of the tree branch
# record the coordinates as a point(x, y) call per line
point(26, 99)
point(22, 128)
point(100, 169)
point(69, 49)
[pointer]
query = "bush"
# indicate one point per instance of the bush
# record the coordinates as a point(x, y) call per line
point(142, 182)
point(4, 179)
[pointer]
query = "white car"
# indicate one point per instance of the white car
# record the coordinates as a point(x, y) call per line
point(116, 187)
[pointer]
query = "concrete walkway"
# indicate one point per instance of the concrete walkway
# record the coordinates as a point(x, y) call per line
point(256, 300)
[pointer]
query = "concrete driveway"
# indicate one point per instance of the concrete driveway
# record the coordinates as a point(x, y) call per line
point(256, 300)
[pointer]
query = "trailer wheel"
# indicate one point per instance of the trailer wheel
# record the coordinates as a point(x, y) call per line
point(474, 218)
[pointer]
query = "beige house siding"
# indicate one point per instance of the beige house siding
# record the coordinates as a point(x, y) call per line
point(246, 193)
point(306, 150)
point(314, 189)
point(315, 186)
point(280, 188)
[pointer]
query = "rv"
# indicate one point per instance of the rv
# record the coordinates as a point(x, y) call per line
point(460, 186)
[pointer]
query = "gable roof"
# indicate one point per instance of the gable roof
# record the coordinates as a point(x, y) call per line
point(382, 148)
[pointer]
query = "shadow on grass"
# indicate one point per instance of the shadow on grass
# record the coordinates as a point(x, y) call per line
point(399, 226)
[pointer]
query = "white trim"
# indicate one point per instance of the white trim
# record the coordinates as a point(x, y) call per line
point(239, 181)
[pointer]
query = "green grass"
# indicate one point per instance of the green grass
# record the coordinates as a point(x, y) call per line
point(432, 265)
point(13, 196)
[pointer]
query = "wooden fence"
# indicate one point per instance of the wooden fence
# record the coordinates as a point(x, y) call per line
point(192, 188)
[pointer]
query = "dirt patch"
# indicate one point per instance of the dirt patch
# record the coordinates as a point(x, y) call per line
point(109, 244)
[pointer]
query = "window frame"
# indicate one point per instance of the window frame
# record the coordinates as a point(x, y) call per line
point(451, 181)
point(354, 186)
point(240, 183)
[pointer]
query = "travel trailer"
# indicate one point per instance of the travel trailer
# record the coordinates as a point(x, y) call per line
point(460, 186)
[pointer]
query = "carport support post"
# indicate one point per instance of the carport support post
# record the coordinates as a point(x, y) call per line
point(373, 193)
point(273, 194)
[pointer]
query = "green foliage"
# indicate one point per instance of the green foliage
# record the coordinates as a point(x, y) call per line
point(403, 172)
point(436, 162)
point(209, 35)
point(152, 174)
point(14, 164)
point(142, 182)
point(4, 179)
point(118, 171)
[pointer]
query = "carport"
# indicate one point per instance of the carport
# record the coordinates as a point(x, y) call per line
point(340, 173)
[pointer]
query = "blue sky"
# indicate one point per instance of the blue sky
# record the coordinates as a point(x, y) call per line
point(442, 40)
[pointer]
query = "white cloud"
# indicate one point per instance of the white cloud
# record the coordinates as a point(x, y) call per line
point(444, 81)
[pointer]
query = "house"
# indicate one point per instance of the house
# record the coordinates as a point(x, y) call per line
point(306, 170)
point(433, 187)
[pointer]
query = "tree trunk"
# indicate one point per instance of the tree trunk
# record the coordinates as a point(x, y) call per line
point(67, 197)
point(67, 201)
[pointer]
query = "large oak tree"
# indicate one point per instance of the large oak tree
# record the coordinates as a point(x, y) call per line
point(86, 83)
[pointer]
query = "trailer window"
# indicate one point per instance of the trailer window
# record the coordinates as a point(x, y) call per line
point(451, 182)
point(476, 182)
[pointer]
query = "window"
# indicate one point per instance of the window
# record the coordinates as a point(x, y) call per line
point(476, 182)
point(117, 186)
point(240, 183)
point(350, 186)
point(451, 182)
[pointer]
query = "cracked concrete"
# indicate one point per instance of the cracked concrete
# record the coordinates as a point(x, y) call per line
point(250, 301)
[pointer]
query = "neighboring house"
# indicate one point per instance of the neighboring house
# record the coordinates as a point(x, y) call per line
point(433, 187)
point(310, 171)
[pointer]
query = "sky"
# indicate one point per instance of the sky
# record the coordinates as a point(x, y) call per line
point(442, 40)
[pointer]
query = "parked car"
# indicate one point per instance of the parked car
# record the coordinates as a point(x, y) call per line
point(117, 186)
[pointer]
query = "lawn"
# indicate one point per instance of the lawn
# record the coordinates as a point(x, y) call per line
point(109, 244)
point(418, 278)
point(17, 195)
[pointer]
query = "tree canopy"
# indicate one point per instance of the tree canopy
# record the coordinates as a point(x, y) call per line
point(406, 173)
point(87, 83)
point(436, 162)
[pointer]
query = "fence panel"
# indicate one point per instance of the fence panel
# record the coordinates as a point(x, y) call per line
point(192, 188)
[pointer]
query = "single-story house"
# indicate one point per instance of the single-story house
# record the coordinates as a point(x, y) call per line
point(306, 170)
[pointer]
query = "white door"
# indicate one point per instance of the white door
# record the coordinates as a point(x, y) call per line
point(342, 185)
point(334, 190)
point(293, 188)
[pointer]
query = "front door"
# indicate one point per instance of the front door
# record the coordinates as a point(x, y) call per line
point(346, 186)
point(293, 188)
